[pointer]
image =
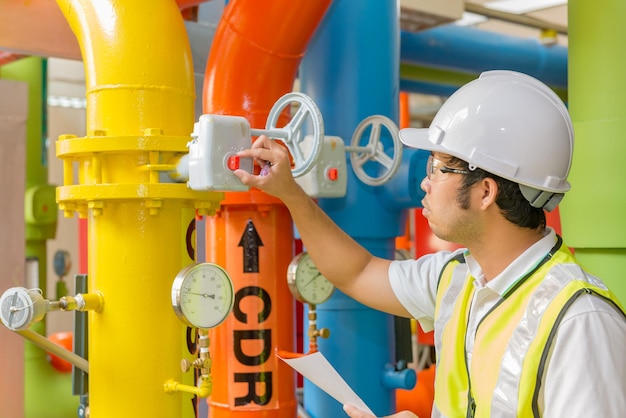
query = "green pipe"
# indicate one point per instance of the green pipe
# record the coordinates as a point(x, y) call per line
point(592, 213)
point(434, 76)
point(439, 76)
point(47, 393)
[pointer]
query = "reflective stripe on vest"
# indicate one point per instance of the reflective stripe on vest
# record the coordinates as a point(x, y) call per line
point(452, 280)
point(520, 337)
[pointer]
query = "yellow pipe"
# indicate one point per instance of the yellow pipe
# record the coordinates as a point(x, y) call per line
point(140, 94)
point(203, 390)
point(82, 302)
point(205, 386)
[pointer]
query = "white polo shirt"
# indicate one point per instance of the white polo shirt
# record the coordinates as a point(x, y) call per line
point(585, 374)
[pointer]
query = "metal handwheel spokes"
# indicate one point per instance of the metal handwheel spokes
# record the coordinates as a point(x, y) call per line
point(374, 150)
point(305, 150)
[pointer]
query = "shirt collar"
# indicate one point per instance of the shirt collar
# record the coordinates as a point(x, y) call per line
point(517, 269)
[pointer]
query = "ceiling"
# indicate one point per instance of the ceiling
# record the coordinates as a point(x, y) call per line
point(545, 20)
point(542, 19)
point(520, 18)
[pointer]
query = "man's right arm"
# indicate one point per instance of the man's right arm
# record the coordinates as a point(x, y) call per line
point(349, 266)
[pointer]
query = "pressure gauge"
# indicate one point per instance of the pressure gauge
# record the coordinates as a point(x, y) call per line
point(306, 282)
point(20, 307)
point(202, 295)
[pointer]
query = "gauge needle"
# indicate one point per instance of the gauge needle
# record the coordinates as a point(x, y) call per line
point(311, 281)
point(12, 309)
point(204, 295)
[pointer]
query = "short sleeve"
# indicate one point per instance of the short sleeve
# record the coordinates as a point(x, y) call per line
point(414, 283)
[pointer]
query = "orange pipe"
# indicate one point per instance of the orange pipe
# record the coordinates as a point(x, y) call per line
point(255, 55)
point(418, 400)
point(405, 111)
point(253, 61)
point(403, 242)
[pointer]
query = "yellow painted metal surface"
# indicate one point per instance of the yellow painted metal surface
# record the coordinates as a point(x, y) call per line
point(139, 79)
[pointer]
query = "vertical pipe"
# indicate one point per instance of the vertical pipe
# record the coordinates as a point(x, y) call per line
point(403, 242)
point(351, 70)
point(139, 84)
point(592, 213)
point(253, 61)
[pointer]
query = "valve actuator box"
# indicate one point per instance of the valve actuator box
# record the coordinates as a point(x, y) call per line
point(329, 176)
point(216, 139)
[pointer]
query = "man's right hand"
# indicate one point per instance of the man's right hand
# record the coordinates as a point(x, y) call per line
point(354, 412)
point(275, 177)
point(363, 278)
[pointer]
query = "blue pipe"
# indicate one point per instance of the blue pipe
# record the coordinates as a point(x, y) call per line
point(351, 71)
point(470, 50)
point(403, 191)
point(422, 87)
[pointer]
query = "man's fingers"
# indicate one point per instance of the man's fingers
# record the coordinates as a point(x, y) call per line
point(265, 152)
point(355, 412)
point(245, 177)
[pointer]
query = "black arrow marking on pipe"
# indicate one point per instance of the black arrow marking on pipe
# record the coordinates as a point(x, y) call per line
point(250, 241)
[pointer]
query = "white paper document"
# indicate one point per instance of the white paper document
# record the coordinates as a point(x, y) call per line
point(319, 371)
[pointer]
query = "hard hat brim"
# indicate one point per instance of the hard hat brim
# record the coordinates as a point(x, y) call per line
point(427, 139)
point(420, 138)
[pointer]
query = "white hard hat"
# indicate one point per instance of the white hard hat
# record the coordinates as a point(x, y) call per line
point(509, 124)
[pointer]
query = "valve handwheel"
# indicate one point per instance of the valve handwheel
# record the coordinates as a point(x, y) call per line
point(360, 155)
point(304, 156)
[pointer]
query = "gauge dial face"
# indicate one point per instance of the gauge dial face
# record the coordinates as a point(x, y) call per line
point(306, 282)
point(202, 295)
point(16, 308)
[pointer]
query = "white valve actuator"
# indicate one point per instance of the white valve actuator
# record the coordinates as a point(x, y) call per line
point(216, 139)
point(329, 176)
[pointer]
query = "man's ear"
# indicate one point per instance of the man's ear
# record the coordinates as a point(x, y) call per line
point(488, 190)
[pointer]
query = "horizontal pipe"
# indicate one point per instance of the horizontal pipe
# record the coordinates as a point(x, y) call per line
point(47, 345)
point(424, 70)
point(421, 87)
point(415, 79)
point(435, 75)
point(457, 48)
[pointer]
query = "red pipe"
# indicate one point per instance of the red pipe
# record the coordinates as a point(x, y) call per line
point(253, 61)
point(8, 57)
point(185, 4)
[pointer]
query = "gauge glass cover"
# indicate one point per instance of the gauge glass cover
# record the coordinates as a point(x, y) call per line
point(306, 282)
point(202, 295)
point(16, 308)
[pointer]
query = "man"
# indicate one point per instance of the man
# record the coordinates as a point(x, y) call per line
point(520, 328)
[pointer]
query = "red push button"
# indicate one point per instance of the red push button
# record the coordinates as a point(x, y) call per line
point(233, 162)
point(332, 174)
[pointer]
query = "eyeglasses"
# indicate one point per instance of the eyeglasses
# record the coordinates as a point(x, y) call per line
point(435, 164)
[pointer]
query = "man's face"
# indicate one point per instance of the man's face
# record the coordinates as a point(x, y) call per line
point(447, 219)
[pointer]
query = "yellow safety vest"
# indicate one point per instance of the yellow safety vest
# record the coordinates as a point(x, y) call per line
point(512, 340)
